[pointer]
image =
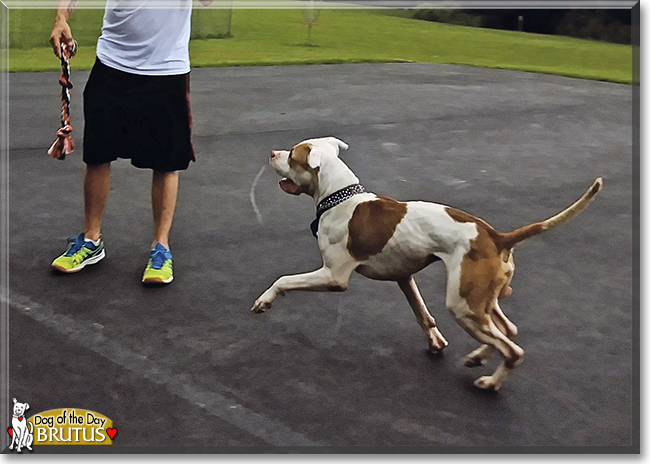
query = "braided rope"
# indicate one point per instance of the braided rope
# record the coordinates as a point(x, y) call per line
point(64, 145)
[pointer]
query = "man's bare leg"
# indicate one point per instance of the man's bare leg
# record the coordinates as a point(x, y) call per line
point(97, 186)
point(164, 191)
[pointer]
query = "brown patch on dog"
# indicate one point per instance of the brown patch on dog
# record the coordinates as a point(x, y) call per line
point(503, 242)
point(482, 273)
point(481, 277)
point(461, 216)
point(299, 155)
point(373, 223)
point(299, 162)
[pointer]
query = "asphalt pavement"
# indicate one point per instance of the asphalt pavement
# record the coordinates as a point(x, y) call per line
point(188, 367)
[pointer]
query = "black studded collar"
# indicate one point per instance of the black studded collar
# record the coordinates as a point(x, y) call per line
point(333, 200)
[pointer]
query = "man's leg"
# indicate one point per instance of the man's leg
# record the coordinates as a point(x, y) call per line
point(97, 185)
point(82, 252)
point(164, 191)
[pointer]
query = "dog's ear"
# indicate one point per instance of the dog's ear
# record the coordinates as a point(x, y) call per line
point(15, 401)
point(315, 157)
point(319, 150)
point(337, 143)
point(26, 406)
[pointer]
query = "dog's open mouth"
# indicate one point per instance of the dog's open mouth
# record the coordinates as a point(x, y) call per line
point(289, 186)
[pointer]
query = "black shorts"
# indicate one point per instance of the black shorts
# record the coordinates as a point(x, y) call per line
point(146, 119)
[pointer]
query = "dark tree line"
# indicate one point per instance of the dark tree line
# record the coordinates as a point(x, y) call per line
point(610, 25)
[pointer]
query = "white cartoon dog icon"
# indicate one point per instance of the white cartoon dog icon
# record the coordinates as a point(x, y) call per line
point(21, 436)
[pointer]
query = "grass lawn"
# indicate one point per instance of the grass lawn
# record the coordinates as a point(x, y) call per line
point(280, 36)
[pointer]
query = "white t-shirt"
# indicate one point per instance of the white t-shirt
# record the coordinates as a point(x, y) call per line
point(146, 37)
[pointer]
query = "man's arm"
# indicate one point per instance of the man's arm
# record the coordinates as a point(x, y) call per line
point(61, 30)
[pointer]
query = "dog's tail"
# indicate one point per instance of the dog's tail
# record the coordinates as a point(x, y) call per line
point(509, 240)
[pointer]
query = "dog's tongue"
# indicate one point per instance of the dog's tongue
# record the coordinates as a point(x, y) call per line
point(505, 292)
point(289, 186)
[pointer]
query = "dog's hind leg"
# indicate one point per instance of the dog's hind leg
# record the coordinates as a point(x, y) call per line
point(489, 334)
point(435, 339)
point(30, 437)
point(472, 291)
point(479, 356)
point(503, 323)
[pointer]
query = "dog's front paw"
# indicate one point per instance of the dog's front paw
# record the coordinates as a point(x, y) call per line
point(436, 342)
point(265, 300)
point(261, 305)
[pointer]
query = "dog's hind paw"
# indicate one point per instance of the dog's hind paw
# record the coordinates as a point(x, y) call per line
point(487, 383)
point(473, 361)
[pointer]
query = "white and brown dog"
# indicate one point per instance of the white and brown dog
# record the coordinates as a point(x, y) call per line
point(385, 239)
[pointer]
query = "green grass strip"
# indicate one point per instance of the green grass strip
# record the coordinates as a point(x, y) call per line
point(283, 37)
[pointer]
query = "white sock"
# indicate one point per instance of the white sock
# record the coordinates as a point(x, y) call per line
point(95, 243)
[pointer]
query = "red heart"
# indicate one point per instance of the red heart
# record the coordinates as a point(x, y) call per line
point(111, 433)
point(20, 419)
point(10, 431)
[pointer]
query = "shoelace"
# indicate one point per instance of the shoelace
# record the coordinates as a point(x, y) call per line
point(79, 248)
point(158, 258)
point(76, 243)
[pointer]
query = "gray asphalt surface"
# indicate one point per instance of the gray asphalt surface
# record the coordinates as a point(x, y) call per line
point(189, 365)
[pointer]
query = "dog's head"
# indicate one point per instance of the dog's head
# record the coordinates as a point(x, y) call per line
point(300, 167)
point(20, 408)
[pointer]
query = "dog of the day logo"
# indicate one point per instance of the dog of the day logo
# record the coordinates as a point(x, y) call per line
point(22, 433)
point(65, 426)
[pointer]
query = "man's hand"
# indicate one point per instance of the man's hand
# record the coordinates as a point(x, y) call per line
point(61, 30)
point(61, 33)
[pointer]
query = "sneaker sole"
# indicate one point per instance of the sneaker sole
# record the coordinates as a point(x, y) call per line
point(157, 281)
point(89, 261)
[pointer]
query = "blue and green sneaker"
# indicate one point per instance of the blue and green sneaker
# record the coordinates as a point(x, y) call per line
point(80, 253)
point(160, 269)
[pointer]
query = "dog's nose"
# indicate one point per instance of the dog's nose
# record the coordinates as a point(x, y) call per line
point(274, 153)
